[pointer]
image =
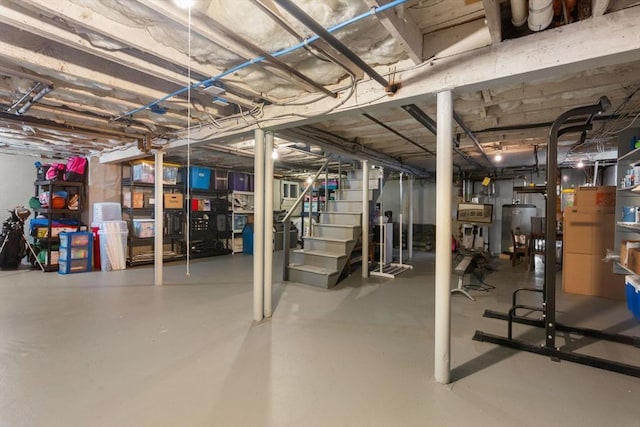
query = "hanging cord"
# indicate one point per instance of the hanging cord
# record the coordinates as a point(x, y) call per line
point(188, 192)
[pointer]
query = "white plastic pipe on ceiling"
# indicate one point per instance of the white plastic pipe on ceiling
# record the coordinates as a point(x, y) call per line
point(519, 12)
point(540, 14)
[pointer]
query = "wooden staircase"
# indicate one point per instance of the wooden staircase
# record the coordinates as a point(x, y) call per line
point(327, 251)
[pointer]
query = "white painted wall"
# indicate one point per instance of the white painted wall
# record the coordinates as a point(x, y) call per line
point(424, 200)
point(17, 175)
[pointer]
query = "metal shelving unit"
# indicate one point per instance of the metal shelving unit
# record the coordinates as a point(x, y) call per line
point(49, 240)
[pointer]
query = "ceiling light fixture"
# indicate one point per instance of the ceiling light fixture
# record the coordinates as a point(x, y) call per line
point(498, 157)
point(274, 154)
point(580, 164)
point(184, 4)
point(309, 180)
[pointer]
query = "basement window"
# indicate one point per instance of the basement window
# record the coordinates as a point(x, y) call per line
point(289, 190)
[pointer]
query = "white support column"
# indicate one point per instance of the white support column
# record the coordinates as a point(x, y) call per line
point(159, 217)
point(365, 219)
point(410, 220)
point(444, 170)
point(268, 224)
point(258, 228)
point(401, 218)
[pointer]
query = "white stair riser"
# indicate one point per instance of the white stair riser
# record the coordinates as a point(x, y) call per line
point(328, 263)
point(340, 218)
point(336, 232)
point(314, 279)
point(357, 174)
point(326, 245)
point(344, 206)
point(356, 184)
point(355, 195)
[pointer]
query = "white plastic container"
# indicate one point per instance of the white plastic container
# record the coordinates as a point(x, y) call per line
point(106, 211)
point(113, 245)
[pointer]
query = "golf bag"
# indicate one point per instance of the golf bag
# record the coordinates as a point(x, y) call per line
point(13, 247)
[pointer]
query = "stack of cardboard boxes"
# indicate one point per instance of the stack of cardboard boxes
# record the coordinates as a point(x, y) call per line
point(589, 230)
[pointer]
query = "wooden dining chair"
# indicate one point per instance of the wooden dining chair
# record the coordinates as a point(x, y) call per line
point(519, 249)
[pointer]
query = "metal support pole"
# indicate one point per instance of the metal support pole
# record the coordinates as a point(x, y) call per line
point(400, 217)
point(268, 224)
point(595, 173)
point(410, 222)
point(258, 228)
point(326, 189)
point(365, 219)
point(158, 215)
point(444, 169)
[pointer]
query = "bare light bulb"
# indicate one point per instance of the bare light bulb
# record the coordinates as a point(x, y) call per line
point(309, 180)
point(274, 154)
point(184, 4)
point(498, 157)
point(580, 164)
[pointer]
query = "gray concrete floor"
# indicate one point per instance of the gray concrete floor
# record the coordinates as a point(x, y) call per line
point(110, 349)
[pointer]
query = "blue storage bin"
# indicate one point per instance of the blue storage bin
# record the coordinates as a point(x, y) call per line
point(75, 252)
point(247, 239)
point(200, 178)
point(632, 289)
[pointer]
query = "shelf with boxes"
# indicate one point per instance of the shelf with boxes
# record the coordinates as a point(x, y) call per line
point(627, 236)
point(57, 209)
point(207, 202)
point(138, 210)
point(242, 205)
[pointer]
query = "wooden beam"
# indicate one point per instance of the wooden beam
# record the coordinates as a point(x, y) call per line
point(402, 27)
point(494, 19)
point(126, 35)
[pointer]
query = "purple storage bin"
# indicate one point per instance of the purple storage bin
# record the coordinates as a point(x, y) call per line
point(238, 181)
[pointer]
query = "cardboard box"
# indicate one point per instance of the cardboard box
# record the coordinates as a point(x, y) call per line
point(588, 275)
point(595, 197)
point(633, 260)
point(173, 201)
point(625, 245)
point(588, 230)
point(136, 202)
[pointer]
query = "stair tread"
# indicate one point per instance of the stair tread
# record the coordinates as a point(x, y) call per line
point(312, 269)
point(327, 239)
point(337, 225)
point(319, 253)
point(344, 213)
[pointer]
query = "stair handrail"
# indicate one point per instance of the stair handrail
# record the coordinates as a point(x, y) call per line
point(287, 218)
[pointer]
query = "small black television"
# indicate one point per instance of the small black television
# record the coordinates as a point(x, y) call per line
point(475, 213)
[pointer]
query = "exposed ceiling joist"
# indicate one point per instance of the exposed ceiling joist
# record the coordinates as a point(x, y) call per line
point(494, 19)
point(401, 26)
point(136, 38)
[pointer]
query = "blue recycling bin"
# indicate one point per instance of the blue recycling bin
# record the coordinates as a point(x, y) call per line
point(247, 239)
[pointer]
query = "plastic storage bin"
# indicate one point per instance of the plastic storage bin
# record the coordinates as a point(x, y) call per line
point(106, 211)
point(219, 180)
point(143, 227)
point(170, 173)
point(75, 252)
point(238, 181)
point(113, 245)
point(143, 171)
point(632, 288)
point(199, 177)
point(247, 239)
